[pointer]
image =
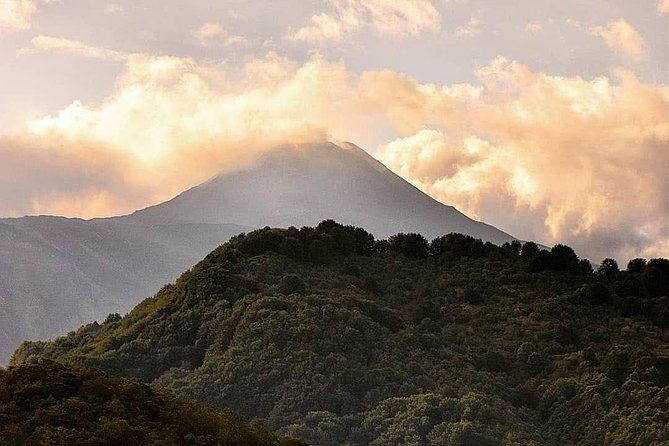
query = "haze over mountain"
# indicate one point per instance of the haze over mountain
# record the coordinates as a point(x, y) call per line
point(58, 273)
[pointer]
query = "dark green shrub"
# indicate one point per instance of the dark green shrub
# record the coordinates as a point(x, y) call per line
point(291, 284)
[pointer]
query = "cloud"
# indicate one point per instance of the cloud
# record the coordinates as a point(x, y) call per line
point(471, 29)
point(386, 17)
point(573, 23)
point(533, 28)
point(67, 46)
point(213, 34)
point(324, 28)
point(663, 6)
point(621, 36)
point(561, 159)
point(16, 15)
point(63, 177)
point(545, 157)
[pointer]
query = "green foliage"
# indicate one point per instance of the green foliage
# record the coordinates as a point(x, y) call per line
point(45, 403)
point(324, 334)
point(291, 284)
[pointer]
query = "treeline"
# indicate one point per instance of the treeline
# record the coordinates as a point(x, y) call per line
point(330, 238)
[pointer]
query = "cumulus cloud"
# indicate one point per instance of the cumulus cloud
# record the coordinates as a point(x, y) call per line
point(213, 34)
point(387, 17)
point(621, 36)
point(16, 15)
point(544, 157)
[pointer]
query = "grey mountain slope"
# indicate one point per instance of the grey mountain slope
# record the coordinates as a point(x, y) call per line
point(304, 185)
point(59, 273)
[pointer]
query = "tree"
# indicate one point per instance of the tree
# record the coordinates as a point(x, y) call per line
point(563, 258)
point(411, 244)
point(291, 284)
point(291, 247)
point(529, 250)
point(584, 267)
point(658, 277)
point(459, 245)
point(514, 247)
point(608, 267)
point(636, 265)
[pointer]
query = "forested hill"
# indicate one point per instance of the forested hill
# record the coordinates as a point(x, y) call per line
point(46, 403)
point(328, 335)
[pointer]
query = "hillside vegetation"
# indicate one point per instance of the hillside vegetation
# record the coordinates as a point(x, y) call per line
point(328, 335)
point(46, 403)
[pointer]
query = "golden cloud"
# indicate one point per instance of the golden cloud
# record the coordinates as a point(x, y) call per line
point(583, 161)
point(16, 15)
point(544, 157)
point(621, 36)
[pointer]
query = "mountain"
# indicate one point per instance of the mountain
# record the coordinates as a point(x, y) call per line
point(305, 184)
point(58, 273)
point(46, 403)
point(331, 336)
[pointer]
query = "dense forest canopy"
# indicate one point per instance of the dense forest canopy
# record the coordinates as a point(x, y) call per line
point(332, 336)
point(46, 403)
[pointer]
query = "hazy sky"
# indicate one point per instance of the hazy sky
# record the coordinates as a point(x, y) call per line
point(547, 119)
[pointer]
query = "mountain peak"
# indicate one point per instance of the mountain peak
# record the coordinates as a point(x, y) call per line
point(302, 184)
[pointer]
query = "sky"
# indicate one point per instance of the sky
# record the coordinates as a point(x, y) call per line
point(549, 120)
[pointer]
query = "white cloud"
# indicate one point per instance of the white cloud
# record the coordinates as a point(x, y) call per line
point(387, 17)
point(621, 36)
point(213, 34)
